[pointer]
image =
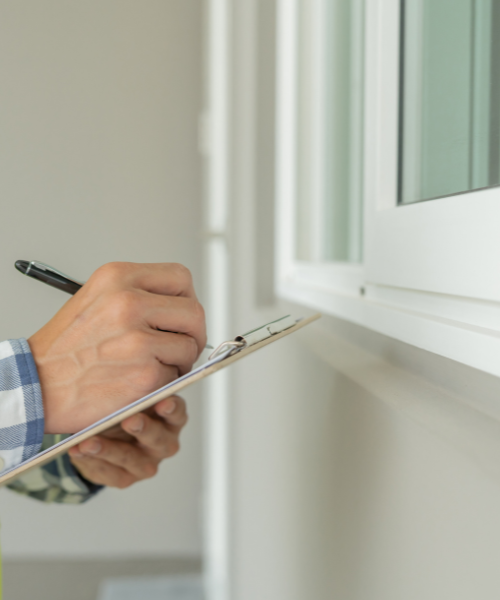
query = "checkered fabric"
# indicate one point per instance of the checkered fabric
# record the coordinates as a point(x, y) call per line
point(21, 432)
point(57, 481)
point(21, 408)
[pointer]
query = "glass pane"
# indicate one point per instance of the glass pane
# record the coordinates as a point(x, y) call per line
point(329, 198)
point(450, 98)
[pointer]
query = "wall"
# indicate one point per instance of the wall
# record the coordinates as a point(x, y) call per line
point(358, 478)
point(99, 162)
point(362, 468)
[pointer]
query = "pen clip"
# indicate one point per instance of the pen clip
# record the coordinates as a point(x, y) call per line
point(45, 267)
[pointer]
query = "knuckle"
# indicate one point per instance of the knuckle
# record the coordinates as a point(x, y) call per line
point(135, 342)
point(125, 305)
point(197, 317)
point(126, 457)
point(109, 273)
point(124, 482)
point(192, 349)
point(147, 378)
point(150, 470)
point(198, 312)
point(181, 272)
point(159, 441)
point(182, 412)
point(181, 405)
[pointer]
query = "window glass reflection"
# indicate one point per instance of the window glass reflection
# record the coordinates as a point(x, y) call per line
point(450, 97)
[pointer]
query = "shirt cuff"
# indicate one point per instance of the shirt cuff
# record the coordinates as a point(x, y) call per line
point(21, 406)
point(62, 474)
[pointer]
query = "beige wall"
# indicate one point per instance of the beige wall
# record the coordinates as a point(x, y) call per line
point(98, 161)
point(369, 481)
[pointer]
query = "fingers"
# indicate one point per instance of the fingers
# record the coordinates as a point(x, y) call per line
point(159, 438)
point(181, 315)
point(102, 350)
point(128, 456)
point(102, 472)
point(137, 348)
point(174, 411)
point(116, 463)
point(167, 279)
point(135, 310)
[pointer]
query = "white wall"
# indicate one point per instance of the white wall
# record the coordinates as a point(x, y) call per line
point(362, 468)
point(98, 161)
point(344, 489)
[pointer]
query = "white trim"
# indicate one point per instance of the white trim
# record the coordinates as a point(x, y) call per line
point(381, 106)
point(357, 133)
point(317, 110)
point(342, 277)
point(422, 324)
point(337, 278)
point(286, 135)
point(215, 119)
point(216, 508)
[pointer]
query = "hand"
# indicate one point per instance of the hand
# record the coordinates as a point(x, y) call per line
point(103, 349)
point(132, 452)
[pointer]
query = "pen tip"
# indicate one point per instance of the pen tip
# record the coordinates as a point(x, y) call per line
point(22, 265)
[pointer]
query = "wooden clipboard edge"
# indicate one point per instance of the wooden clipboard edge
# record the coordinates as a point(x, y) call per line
point(38, 461)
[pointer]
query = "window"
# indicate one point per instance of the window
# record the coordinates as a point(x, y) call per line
point(329, 90)
point(449, 98)
point(389, 168)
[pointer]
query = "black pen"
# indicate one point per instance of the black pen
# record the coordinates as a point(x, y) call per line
point(48, 275)
point(54, 278)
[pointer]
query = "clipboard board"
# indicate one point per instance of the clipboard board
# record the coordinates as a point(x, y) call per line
point(224, 355)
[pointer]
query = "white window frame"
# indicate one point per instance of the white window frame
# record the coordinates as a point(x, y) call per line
point(337, 277)
point(430, 273)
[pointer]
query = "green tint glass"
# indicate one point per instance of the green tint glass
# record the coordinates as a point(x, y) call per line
point(329, 224)
point(450, 98)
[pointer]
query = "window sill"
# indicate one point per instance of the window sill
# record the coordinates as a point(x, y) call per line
point(463, 330)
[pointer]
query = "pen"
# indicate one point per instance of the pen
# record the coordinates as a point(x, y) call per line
point(48, 275)
point(54, 278)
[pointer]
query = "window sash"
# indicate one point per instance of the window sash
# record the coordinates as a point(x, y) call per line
point(450, 245)
point(430, 272)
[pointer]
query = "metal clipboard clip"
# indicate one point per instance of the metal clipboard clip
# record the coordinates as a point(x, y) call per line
point(252, 337)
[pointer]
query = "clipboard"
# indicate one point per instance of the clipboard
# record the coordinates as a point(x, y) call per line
point(224, 355)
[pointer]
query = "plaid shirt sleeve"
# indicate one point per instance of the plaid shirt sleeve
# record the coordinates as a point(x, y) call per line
point(57, 481)
point(21, 408)
point(21, 432)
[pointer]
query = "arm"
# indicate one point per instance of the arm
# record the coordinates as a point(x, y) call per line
point(111, 343)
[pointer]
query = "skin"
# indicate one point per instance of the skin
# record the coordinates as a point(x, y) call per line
point(109, 345)
point(133, 452)
point(104, 348)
